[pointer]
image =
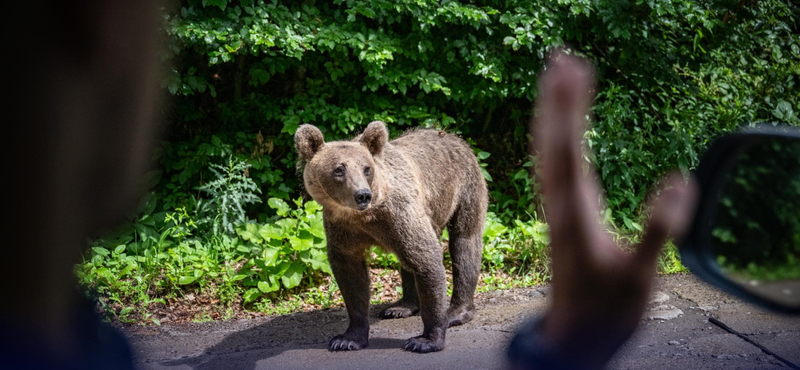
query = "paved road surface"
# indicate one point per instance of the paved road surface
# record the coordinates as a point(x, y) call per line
point(675, 334)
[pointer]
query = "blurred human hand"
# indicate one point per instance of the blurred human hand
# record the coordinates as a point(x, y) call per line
point(599, 291)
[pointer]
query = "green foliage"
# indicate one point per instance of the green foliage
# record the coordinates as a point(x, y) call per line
point(282, 252)
point(228, 193)
point(669, 262)
point(521, 248)
point(243, 75)
point(259, 261)
point(680, 75)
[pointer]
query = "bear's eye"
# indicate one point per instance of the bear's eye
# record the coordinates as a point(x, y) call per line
point(338, 171)
point(367, 170)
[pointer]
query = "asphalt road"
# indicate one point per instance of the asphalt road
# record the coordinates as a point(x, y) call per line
point(674, 334)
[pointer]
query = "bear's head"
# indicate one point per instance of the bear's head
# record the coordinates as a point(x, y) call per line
point(342, 174)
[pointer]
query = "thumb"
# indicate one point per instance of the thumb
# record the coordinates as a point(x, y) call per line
point(670, 216)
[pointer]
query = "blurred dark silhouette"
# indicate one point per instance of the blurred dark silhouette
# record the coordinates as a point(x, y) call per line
point(85, 78)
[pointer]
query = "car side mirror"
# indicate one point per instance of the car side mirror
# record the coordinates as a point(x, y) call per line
point(745, 237)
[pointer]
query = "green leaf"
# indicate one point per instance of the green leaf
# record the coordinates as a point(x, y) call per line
point(279, 206)
point(486, 174)
point(251, 295)
point(316, 226)
point(631, 225)
point(312, 207)
point(270, 256)
point(271, 231)
point(185, 280)
point(249, 232)
point(493, 230)
point(292, 276)
point(101, 251)
point(783, 111)
point(317, 259)
point(267, 287)
point(301, 244)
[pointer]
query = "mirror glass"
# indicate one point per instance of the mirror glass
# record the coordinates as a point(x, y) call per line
point(756, 232)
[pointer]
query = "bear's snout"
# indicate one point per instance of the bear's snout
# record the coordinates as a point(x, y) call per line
point(363, 197)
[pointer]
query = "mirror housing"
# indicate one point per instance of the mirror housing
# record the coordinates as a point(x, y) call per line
point(713, 174)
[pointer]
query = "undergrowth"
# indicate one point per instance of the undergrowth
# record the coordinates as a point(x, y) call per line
point(278, 267)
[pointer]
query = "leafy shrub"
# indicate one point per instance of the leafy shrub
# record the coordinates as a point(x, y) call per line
point(284, 251)
point(682, 74)
point(521, 248)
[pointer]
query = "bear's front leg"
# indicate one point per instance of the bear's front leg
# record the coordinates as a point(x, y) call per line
point(352, 276)
point(426, 263)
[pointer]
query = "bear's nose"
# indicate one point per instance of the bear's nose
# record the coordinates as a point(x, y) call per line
point(363, 197)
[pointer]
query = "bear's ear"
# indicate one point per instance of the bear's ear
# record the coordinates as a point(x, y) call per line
point(375, 137)
point(308, 141)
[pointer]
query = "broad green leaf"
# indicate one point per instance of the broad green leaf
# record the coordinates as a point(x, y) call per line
point(279, 206)
point(317, 259)
point(270, 256)
point(267, 287)
point(251, 295)
point(271, 231)
point(249, 232)
point(301, 244)
point(288, 224)
point(185, 280)
point(312, 207)
point(316, 226)
point(292, 276)
point(101, 251)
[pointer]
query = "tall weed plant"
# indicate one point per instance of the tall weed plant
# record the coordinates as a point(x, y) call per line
point(228, 193)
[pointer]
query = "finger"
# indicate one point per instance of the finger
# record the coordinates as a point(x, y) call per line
point(562, 106)
point(670, 215)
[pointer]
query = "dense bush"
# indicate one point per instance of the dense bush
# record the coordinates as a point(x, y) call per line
point(672, 75)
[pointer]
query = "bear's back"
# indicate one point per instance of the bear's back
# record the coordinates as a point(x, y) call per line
point(446, 167)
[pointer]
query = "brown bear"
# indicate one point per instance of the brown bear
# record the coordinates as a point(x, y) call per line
point(399, 195)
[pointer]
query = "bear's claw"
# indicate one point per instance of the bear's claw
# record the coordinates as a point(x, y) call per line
point(421, 344)
point(459, 315)
point(341, 343)
point(399, 310)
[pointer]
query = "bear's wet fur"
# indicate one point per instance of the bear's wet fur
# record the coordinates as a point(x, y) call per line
point(399, 195)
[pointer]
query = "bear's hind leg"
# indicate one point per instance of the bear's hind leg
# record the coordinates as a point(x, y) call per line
point(409, 304)
point(466, 245)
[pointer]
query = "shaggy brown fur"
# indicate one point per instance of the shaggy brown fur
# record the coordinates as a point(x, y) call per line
point(399, 195)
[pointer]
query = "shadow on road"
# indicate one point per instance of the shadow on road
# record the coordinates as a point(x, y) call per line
point(302, 331)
